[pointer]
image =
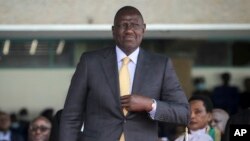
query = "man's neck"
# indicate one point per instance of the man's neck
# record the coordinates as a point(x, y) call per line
point(128, 51)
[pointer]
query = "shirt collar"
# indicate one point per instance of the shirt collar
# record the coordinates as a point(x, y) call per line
point(133, 56)
point(199, 131)
point(5, 136)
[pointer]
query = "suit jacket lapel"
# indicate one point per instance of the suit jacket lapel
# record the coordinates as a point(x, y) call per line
point(143, 64)
point(109, 64)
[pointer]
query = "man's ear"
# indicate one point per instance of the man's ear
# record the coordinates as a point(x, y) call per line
point(210, 117)
point(144, 28)
point(113, 30)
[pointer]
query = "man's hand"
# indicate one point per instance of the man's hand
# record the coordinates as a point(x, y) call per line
point(136, 103)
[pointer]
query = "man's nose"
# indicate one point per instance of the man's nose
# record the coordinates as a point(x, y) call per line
point(130, 27)
point(192, 114)
point(38, 131)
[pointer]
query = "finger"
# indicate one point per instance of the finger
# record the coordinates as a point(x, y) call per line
point(125, 96)
point(128, 109)
point(125, 105)
point(124, 101)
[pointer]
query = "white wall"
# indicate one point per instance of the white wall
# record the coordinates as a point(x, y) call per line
point(102, 12)
point(35, 89)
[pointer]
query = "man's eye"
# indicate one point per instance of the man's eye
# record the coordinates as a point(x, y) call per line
point(135, 25)
point(124, 25)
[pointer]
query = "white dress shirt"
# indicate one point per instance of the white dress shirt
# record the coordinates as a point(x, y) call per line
point(199, 135)
point(5, 136)
point(132, 66)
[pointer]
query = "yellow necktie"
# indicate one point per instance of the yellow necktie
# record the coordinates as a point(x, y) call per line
point(124, 81)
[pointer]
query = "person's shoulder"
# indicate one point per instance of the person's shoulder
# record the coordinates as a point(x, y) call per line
point(16, 136)
point(180, 138)
point(234, 88)
point(218, 88)
point(205, 137)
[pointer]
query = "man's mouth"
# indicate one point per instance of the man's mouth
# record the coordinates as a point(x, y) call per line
point(192, 122)
point(129, 38)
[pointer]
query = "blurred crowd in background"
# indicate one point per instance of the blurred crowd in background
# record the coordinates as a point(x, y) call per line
point(212, 113)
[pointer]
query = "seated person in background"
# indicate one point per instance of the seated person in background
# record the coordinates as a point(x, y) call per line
point(48, 113)
point(219, 119)
point(23, 120)
point(245, 95)
point(5, 133)
point(39, 129)
point(200, 87)
point(226, 96)
point(201, 115)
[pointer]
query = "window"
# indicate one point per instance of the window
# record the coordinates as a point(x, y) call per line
point(45, 55)
point(204, 53)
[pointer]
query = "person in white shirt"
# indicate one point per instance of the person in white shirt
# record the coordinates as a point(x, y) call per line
point(201, 115)
point(198, 135)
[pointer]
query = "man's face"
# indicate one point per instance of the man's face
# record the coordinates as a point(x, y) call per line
point(39, 130)
point(199, 116)
point(4, 122)
point(219, 121)
point(128, 31)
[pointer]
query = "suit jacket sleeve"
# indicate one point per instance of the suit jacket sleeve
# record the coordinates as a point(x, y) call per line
point(72, 115)
point(173, 106)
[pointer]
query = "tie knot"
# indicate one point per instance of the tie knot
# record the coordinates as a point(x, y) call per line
point(125, 60)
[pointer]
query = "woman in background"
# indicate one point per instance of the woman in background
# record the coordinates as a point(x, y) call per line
point(201, 116)
point(39, 129)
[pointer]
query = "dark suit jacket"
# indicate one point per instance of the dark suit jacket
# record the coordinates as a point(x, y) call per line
point(94, 98)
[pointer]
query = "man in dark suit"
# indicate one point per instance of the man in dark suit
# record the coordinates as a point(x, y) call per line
point(94, 95)
point(5, 133)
